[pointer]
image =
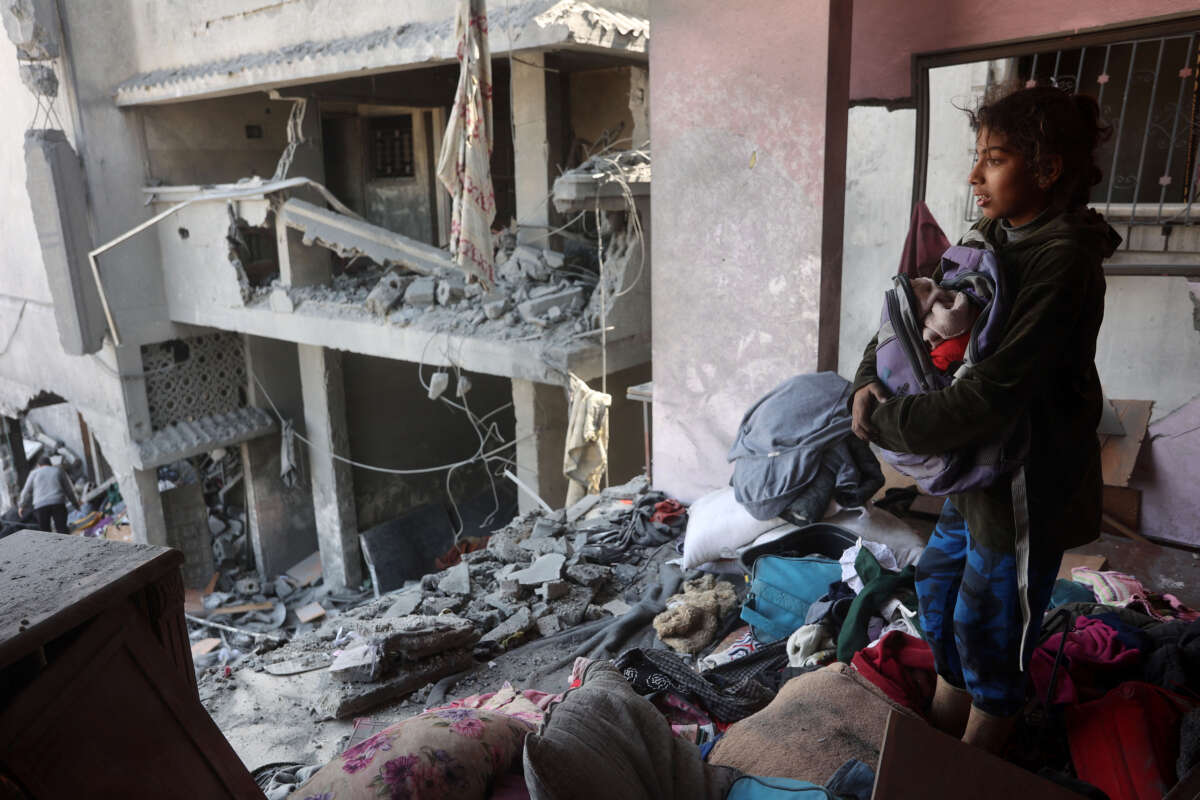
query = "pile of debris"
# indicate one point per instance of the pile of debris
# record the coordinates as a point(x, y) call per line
point(541, 575)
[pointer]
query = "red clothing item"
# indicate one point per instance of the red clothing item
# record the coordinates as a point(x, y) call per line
point(924, 245)
point(894, 664)
point(950, 352)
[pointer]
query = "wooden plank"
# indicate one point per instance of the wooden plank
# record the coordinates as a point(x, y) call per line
point(1124, 504)
point(1108, 522)
point(307, 571)
point(1072, 560)
point(310, 612)
point(1118, 455)
point(919, 762)
point(241, 608)
point(204, 646)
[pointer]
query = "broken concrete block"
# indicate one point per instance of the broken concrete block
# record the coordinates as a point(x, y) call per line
point(567, 301)
point(571, 607)
point(515, 625)
point(247, 586)
point(591, 575)
point(406, 602)
point(359, 664)
point(505, 546)
point(495, 303)
point(545, 526)
point(546, 568)
point(416, 635)
point(457, 580)
point(549, 625)
point(280, 301)
point(552, 258)
point(450, 290)
point(341, 701)
point(421, 292)
point(440, 604)
point(387, 293)
point(32, 25)
point(540, 547)
point(283, 587)
point(618, 607)
point(310, 612)
point(40, 79)
point(552, 590)
point(501, 602)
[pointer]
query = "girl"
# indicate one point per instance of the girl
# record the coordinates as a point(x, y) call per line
point(1034, 169)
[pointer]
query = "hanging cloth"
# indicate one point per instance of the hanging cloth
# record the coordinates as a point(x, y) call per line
point(464, 165)
point(586, 456)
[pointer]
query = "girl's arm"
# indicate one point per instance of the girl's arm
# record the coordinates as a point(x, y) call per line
point(998, 390)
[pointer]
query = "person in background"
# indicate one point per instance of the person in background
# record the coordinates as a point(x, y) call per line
point(50, 491)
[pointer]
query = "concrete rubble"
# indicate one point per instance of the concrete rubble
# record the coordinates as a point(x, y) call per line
point(370, 651)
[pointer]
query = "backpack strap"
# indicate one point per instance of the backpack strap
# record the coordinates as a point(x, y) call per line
point(1020, 495)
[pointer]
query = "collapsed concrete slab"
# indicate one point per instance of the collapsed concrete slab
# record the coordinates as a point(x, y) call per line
point(58, 196)
point(347, 237)
point(342, 701)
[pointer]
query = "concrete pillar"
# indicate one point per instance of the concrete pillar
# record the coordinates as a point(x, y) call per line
point(133, 391)
point(332, 481)
point(139, 490)
point(300, 264)
point(541, 433)
point(749, 187)
point(531, 145)
point(282, 528)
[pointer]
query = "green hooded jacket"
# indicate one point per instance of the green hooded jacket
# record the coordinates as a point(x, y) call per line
point(1044, 368)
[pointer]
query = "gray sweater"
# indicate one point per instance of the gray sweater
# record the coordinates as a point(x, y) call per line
point(48, 486)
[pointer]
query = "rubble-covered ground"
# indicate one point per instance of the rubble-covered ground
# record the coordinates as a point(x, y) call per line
point(544, 589)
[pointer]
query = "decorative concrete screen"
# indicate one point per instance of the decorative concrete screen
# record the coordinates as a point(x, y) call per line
point(187, 379)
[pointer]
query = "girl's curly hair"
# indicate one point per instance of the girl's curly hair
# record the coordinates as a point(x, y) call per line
point(1043, 121)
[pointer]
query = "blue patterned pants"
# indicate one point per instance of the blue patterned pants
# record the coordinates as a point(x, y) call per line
point(970, 611)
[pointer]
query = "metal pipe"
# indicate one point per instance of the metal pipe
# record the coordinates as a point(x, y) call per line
point(1079, 72)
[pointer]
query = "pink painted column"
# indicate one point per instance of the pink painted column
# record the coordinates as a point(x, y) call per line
point(748, 120)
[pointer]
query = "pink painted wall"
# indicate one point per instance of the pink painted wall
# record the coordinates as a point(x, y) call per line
point(887, 32)
point(747, 214)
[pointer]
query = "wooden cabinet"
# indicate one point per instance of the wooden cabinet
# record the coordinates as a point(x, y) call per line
point(97, 691)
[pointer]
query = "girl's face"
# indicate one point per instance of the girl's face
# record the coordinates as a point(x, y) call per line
point(1002, 182)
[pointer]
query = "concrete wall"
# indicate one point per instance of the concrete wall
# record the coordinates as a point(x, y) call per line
point(171, 33)
point(599, 102)
point(747, 173)
point(887, 33)
point(392, 423)
point(879, 174)
point(206, 141)
point(62, 422)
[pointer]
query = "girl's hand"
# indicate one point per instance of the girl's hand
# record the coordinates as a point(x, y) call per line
point(862, 407)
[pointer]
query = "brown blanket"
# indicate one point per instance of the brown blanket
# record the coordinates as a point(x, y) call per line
point(817, 722)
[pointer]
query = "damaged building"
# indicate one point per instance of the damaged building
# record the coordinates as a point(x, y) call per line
point(266, 274)
point(340, 471)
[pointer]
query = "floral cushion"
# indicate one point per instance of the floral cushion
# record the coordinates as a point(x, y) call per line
point(443, 753)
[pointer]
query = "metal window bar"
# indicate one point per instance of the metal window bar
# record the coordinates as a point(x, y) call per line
point(1183, 76)
point(1140, 209)
point(1128, 199)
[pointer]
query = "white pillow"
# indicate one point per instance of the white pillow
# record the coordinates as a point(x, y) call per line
point(876, 525)
point(718, 525)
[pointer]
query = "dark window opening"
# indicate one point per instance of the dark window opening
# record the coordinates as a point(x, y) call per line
point(392, 147)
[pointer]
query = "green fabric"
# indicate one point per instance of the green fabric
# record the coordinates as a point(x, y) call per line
point(1043, 368)
point(879, 586)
